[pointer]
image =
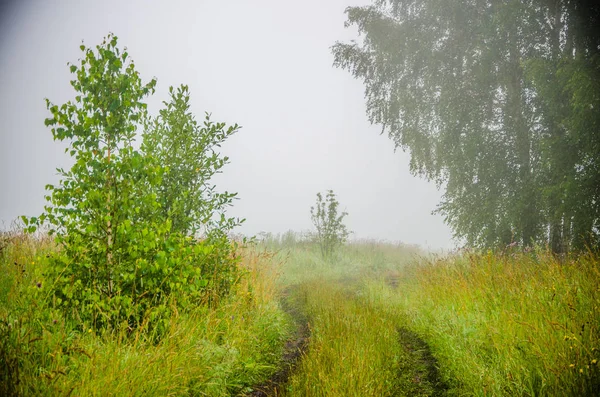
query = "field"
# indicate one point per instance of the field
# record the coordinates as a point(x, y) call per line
point(217, 350)
point(139, 275)
point(391, 320)
point(383, 319)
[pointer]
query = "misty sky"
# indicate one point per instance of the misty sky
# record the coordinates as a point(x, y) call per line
point(264, 64)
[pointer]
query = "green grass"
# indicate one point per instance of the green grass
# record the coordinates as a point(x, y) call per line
point(383, 321)
point(302, 259)
point(520, 324)
point(210, 351)
point(515, 324)
point(356, 347)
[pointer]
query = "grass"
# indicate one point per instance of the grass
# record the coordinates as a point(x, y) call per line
point(357, 259)
point(210, 351)
point(519, 324)
point(496, 324)
point(356, 347)
point(385, 320)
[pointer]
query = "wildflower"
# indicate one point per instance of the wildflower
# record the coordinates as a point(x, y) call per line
point(571, 365)
point(89, 331)
point(594, 361)
point(580, 370)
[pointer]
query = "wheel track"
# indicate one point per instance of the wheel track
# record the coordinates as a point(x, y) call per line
point(294, 348)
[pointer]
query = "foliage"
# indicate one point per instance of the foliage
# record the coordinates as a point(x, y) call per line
point(121, 261)
point(513, 324)
point(218, 350)
point(496, 101)
point(331, 231)
point(175, 138)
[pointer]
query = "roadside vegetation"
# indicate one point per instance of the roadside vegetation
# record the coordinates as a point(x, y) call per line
point(390, 319)
point(384, 319)
point(519, 324)
point(212, 350)
point(128, 283)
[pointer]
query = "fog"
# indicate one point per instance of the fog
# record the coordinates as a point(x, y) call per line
point(266, 65)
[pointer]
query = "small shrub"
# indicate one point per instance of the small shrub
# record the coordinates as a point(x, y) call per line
point(175, 139)
point(331, 231)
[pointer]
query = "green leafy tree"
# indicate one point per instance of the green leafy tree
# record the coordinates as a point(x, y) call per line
point(187, 198)
point(120, 260)
point(185, 193)
point(329, 223)
point(475, 90)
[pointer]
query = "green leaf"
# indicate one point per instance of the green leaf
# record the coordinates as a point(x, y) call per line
point(126, 219)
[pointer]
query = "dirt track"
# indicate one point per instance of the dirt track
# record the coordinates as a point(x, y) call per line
point(427, 368)
point(293, 351)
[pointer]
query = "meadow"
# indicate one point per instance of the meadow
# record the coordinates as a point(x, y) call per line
point(389, 319)
point(384, 320)
point(208, 350)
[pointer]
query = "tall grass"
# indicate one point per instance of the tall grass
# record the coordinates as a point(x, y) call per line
point(499, 324)
point(356, 347)
point(343, 359)
point(520, 324)
point(357, 259)
point(212, 351)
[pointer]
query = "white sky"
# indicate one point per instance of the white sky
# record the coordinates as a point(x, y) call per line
point(264, 64)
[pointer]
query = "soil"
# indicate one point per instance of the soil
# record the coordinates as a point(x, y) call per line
point(294, 348)
point(427, 381)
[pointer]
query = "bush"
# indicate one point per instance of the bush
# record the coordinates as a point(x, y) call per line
point(331, 231)
point(215, 350)
point(125, 219)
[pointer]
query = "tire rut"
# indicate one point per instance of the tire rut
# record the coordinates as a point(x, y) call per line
point(427, 381)
point(294, 348)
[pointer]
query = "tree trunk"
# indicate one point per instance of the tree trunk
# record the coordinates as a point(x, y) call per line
point(516, 125)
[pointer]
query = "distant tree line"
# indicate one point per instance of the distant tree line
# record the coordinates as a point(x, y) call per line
point(496, 101)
